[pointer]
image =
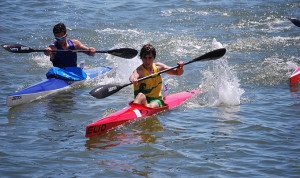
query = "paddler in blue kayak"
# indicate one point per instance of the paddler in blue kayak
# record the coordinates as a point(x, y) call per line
point(148, 92)
point(65, 59)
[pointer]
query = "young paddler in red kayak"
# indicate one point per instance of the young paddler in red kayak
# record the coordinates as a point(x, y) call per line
point(64, 59)
point(148, 92)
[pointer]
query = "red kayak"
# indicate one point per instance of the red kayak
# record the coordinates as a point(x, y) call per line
point(134, 111)
point(295, 77)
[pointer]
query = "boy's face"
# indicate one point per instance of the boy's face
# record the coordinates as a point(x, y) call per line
point(60, 37)
point(148, 60)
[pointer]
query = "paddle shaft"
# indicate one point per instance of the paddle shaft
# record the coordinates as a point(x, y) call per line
point(121, 52)
point(104, 91)
point(150, 76)
point(71, 51)
point(204, 57)
point(127, 53)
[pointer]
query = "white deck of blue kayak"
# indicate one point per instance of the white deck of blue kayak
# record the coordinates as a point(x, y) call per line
point(49, 86)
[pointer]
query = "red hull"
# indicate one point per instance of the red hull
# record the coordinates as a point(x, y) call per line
point(134, 111)
point(295, 78)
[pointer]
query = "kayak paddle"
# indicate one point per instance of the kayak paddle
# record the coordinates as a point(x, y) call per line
point(295, 21)
point(104, 91)
point(127, 53)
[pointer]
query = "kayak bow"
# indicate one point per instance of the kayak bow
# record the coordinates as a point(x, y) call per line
point(134, 111)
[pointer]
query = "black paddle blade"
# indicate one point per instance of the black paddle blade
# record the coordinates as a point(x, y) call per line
point(295, 21)
point(127, 53)
point(17, 48)
point(104, 91)
point(215, 54)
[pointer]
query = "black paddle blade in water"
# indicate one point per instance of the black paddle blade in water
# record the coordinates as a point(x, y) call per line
point(127, 53)
point(17, 48)
point(105, 90)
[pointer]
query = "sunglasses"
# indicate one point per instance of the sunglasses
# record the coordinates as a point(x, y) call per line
point(61, 38)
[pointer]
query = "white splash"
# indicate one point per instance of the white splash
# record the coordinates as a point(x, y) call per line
point(220, 83)
point(291, 66)
point(124, 67)
point(216, 44)
point(42, 60)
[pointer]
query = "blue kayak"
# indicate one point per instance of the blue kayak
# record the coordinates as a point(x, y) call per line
point(50, 86)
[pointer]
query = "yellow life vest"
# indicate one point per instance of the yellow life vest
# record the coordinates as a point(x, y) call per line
point(150, 87)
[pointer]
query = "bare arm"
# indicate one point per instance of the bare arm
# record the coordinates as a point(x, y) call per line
point(176, 71)
point(137, 73)
point(80, 46)
point(49, 52)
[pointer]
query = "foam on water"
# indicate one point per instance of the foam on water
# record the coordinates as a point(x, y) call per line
point(42, 60)
point(218, 141)
point(180, 11)
point(270, 71)
point(220, 84)
point(124, 67)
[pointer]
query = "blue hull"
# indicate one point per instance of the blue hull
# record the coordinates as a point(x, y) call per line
point(48, 87)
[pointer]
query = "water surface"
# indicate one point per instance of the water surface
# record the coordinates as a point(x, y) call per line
point(244, 124)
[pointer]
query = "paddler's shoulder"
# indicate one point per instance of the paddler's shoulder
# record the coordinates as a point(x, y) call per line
point(76, 42)
point(160, 66)
point(140, 71)
point(139, 68)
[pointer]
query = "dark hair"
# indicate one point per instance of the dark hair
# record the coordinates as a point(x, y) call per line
point(59, 28)
point(147, 49)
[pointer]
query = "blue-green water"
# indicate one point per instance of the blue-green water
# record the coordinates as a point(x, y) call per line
point(244, 124)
